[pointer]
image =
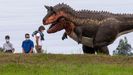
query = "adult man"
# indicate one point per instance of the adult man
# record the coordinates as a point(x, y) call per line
point(8, 47)
point(27, 45)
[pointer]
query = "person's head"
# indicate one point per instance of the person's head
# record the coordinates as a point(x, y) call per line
point(27, 36)
point(7, 38)
point(41, 28)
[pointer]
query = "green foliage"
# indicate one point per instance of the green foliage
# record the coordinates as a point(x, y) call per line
point(124, 48)
point(122, 44)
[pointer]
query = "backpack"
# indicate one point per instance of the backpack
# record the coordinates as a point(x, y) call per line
point(35, 32)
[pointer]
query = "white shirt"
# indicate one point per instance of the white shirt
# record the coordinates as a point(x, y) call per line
point(39, 40)
point(8, 46)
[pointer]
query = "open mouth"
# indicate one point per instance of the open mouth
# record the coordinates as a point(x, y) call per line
point(55, 27)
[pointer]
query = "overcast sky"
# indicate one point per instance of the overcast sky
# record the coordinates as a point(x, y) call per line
point(18, 17)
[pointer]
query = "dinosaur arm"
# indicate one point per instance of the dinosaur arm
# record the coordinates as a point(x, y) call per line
point(64, 36)
point(78, 32)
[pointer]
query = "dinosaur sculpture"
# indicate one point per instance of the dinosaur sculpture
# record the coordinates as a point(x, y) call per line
point(72, 32)
point(108, 25)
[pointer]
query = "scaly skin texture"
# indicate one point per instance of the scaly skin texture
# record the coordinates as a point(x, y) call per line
point(110, 25)
point(77, 33)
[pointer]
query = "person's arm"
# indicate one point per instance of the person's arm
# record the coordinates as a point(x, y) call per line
point(31, 51)
point(4, 47)
point(12, 48)
point(37, 39)
point(32, 47)
point(23, 51)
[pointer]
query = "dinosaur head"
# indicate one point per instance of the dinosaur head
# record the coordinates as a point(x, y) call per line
point(52, 15)
point(56, 16)
point(55, 12)
point(61, 24)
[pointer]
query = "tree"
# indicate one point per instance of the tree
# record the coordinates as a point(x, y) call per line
point(123, 48)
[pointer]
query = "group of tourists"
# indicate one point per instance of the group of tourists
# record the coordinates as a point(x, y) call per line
point(27, 44)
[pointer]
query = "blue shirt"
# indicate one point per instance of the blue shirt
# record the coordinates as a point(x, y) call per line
point(27, 45)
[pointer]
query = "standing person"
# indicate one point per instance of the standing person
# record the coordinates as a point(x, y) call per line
point(8, 46)
point(27, 45)
point(39, 37)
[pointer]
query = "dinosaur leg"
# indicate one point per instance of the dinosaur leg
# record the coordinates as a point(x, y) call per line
point(106, 35)
point(88, 50)
point(103, 50)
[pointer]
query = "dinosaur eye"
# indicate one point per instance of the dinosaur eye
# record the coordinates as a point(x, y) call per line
point(54, 12)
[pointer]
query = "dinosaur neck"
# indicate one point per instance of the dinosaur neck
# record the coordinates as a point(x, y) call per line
point(85, 21)
point(69, 27)
point(80, 21)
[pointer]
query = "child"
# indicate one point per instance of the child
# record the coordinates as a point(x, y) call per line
point(8, 47)
point(39, 37)
point(27, 45)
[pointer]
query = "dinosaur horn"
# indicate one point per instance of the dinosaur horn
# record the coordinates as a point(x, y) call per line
point(47, 7)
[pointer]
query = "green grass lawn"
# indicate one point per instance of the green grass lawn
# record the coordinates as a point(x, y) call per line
point(42, 64)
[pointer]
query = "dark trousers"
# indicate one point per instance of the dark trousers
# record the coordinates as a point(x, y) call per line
point(8, 51)
point(28, 52)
